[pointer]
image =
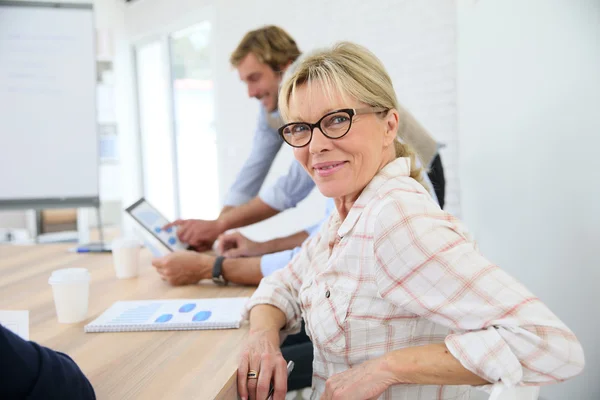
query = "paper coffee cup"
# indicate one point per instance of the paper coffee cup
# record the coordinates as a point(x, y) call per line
point(126, 257)
point(71, 288)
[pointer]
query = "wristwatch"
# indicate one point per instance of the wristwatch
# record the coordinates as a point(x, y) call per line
point(217, 272)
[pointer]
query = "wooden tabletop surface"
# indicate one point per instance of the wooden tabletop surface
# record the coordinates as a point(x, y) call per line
point(130, 365)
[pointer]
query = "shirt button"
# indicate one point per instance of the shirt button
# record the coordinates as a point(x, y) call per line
point(327, 294)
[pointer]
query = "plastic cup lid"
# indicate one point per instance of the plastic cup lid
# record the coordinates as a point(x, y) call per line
point(68, 275)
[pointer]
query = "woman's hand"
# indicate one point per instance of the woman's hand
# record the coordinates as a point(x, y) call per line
point(365, 381)
point(262, 354)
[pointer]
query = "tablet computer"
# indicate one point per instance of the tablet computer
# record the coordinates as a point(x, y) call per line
point(153, 221)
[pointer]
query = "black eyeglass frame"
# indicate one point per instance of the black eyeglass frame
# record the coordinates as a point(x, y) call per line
point(351, 113)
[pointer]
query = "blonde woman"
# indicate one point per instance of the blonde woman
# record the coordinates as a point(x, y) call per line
point(397, 300)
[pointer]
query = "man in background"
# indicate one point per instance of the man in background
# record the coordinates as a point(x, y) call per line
point(261, 59)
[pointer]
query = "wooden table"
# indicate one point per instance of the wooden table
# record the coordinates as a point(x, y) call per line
point(131, 365)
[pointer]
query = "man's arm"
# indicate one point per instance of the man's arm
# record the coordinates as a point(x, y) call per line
point(285, 243)
point(294, 241)
point(243, 271)
point(225, 209)
point(235, 244)
point(254, 211)
point(33, 371)
point(188, 267)
point(288, 191)
point(250, 271)
point(201, 234)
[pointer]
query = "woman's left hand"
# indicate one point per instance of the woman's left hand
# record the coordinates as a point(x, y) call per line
point(365, 381)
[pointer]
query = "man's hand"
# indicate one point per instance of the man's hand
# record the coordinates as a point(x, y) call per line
point(198, 233)
point(184, 267)
point(235, 244)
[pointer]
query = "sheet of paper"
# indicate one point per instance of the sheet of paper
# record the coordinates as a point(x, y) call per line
point(16, 321)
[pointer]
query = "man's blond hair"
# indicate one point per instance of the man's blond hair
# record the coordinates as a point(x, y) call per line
point(270, 44)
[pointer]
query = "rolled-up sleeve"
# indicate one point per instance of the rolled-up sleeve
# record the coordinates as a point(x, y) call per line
point(281, 288)
point(265, 145)
point(500, 331)
point(289, 189)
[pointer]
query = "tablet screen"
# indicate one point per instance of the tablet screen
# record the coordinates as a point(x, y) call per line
point(153, 221)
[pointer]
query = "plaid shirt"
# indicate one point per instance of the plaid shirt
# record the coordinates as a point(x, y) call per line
point(400, 272)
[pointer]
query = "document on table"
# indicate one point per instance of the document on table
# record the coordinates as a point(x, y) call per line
point(16, 321)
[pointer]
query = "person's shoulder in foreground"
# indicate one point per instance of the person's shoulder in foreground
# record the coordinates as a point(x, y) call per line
point(31, 371)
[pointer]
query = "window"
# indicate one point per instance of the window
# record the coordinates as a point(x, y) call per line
point(194, 113)
point(176, 116)
point(155, 127)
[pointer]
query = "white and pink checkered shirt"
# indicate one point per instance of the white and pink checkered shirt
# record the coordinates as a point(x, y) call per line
point(400, 272)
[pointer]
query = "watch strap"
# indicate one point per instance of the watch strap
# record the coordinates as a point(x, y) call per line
point(217, 272)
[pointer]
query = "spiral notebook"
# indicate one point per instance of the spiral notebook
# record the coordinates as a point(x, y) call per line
point(170, 315)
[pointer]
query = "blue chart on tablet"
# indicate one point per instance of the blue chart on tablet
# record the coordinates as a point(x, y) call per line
point(153, 222)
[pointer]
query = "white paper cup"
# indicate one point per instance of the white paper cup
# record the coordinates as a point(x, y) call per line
point(126, 257)
point(71, 288)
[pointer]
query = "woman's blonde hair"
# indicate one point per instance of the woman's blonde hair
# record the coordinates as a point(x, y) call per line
point(350, 70)
point(270, 44)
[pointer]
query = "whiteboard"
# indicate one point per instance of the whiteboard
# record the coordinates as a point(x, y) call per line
point(48, 132)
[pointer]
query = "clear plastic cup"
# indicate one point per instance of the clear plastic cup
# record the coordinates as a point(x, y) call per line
point(126, 257)
point(71, 289)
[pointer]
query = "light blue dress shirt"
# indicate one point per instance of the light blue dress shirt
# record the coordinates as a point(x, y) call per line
point(265, 145)
point(270, 263)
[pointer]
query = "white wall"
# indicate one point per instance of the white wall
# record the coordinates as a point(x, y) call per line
point(18, 219)
point(529, 118)
point(109, 17)
point(13, 219)
point(416, 41)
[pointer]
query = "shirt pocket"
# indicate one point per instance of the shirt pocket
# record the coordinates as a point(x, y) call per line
point(373, 327)
point(326, 317)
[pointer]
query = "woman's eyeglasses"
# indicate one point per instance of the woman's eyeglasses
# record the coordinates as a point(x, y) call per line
point(334, 125)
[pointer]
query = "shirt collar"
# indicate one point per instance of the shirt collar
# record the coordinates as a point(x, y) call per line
point(398, 167)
